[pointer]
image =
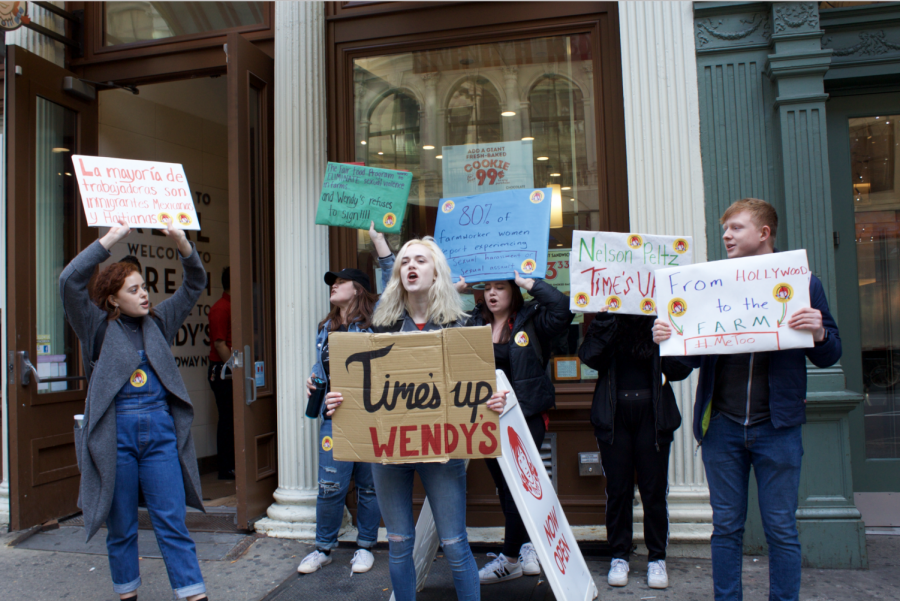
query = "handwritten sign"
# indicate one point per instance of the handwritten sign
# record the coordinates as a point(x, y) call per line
point(557, 275)
point(147, 194)
point(489, 236)
point(479, 168)
point(614, 269)
point(414, 397)
point(734, 306)
point(353, 195)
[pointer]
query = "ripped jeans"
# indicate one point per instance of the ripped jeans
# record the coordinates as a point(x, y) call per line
point(445, 486)
point(334, 481)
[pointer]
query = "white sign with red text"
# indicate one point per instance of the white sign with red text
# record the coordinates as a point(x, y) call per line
point(734, 306)
point(470, 169)
point(146, 194)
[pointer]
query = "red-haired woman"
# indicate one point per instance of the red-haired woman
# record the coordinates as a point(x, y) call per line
point(136, 432)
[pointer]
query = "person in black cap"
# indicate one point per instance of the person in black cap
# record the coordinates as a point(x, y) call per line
point(352, 306)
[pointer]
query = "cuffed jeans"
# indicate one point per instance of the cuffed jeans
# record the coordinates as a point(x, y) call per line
point(147, 457)
point(334, 481)
point(729, 449)
point(445, 487)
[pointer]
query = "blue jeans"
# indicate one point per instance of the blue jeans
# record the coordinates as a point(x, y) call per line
point(334, 480)
point(729, 449)
point(445, 487)
point(147, 459)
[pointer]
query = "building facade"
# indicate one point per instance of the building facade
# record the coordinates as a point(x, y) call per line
point(650, 117)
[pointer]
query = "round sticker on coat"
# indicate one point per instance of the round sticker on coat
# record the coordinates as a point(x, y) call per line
point(521, 339)
point(138, 378)
point(327, 444)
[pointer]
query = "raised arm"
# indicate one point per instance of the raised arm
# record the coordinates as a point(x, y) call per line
point(554, 316)
point(175, 309)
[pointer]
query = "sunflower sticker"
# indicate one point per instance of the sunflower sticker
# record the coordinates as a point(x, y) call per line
point(184, 219)
point(448, 206)
point(528, 266)
point(614, 303)
point(521, 339)
point(536, 197)
point(138, 378)
point(680, 246)
point(389, 220)
point(635, 241)
point(648, 306)
point(327, 443)
point(582, 300)
point(164, 218)
point(783, 292)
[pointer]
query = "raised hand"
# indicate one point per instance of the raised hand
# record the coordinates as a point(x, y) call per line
point(178, 235)
point(460, 285)
point(661, 331)
point(525, 283)
point(381, 245)
point(115, 234)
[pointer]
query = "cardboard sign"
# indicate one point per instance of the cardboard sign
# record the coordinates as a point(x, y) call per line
point(147, 194)
point(543, 516)
point(614, 269)
point(352, 196)
point(414, 397)
point(479, 168)
point(736, 305)
point(489, 236)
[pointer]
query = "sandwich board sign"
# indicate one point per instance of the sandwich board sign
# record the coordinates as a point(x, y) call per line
point(552, 537)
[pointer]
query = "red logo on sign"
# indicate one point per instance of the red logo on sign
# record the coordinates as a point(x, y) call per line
point(530, 480)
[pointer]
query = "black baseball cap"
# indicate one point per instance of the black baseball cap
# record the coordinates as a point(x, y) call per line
point(354, 275)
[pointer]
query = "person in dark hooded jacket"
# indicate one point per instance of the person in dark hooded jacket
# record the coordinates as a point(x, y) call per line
point(522, 336)
point(634, 414)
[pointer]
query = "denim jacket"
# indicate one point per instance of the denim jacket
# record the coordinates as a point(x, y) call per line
point(318, 369)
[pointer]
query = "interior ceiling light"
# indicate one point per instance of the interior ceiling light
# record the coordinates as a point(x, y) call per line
point(527, 138)
point(440, 156)
point(363, 142)
point(555, 174)
point(543, 158)
point(59, 149)
point(567, 187)
point(508, 114)
point(380, 153)
point(428, 147)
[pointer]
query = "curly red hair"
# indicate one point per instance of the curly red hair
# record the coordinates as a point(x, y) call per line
point(108, 283)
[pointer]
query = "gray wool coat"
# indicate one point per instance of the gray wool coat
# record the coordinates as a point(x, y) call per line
point(95, 442)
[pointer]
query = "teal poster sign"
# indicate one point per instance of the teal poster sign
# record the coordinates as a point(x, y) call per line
point(353, 195)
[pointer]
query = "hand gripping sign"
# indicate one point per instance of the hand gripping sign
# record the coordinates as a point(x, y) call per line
point(541, 511)
point(617, 270)
point(734, 306)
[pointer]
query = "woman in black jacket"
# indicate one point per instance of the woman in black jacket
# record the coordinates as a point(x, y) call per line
point(634, 414)
point(522, 334)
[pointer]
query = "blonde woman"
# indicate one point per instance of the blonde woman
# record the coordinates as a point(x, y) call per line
point(420, 296)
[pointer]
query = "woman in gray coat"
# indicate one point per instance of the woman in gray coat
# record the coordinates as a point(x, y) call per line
point(136, 431)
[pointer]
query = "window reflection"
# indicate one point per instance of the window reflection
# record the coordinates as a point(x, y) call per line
point(128, 22)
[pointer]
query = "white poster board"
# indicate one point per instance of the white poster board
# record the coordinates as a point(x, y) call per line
point(561, 559)
point(736, 305)
point(493, 167)
point(146, 194)
point(615, 269)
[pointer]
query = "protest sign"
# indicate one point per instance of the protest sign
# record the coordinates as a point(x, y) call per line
point(734, 306)
point(489, 236)
point(557, 275)
point(478, 168)
point(615, 269)
point(147, 194)
point(353, 195)
point(540, 509)
point(414, 397)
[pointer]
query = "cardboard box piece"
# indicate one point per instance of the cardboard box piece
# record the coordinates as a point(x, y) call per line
point(414, 397)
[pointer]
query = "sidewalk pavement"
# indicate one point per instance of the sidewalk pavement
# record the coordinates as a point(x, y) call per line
point(258, 568)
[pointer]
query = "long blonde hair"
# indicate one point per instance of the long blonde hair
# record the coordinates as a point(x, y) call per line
point(444, 303)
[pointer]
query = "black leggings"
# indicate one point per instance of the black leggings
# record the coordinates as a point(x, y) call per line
point(515, 535)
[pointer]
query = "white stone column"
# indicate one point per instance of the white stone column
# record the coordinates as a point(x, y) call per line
point(301, 256)
point(665, 196)
point(55, 53)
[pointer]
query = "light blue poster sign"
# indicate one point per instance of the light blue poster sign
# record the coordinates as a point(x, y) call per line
point(481, 168)
point(489, 236)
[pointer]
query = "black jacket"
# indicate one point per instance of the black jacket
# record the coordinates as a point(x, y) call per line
point(542, 319)
point(600, 350)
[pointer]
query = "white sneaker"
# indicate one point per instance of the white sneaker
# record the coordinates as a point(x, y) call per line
point(618, 573)
point(528, 559)
point(362, 561)
point(656, 574)
point(499, 570)
point(313, 562)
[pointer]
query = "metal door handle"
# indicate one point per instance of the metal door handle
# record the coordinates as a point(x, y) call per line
point(27, 368)
point(249, 381)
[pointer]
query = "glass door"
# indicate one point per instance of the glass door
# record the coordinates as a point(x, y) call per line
point(46, 229)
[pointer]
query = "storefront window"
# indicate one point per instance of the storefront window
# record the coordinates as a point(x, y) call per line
point(876, 200)
point(409, 107)
point(129, 22)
